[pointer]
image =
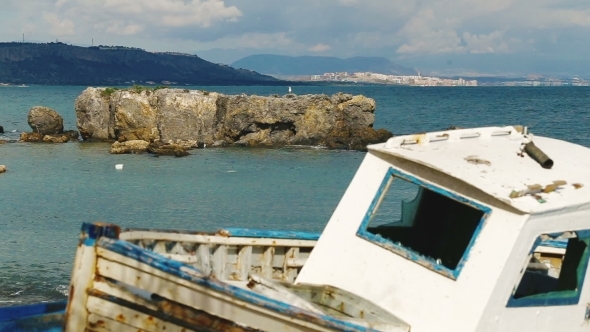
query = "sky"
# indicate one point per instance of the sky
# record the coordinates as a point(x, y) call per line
point(479, 36)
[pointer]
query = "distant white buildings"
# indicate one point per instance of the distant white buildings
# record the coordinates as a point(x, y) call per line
point(368, 77)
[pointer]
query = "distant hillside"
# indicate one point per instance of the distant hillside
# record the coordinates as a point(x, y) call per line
point(315, 65)
point(58, 63)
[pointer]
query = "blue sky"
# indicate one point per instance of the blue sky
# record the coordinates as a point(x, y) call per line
point(479, 36)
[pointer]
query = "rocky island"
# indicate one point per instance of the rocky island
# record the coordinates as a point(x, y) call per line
point(143, 119)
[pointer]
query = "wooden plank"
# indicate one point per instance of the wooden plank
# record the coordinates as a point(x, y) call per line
point(189, 259)
point(231, 263)
point(265, 233)
point(199, 297)
point(214, 239)
point(97, 323)
point(296, 262)
point(266, 262)
point(103, 285)
point(82, 278)
point(219, 259)
point(83, 273)
point(290, 270)
point(128, 319)
point(190, 287)
point(278, 259)
point(244, 264)
point(275, 290)
point(550, 250)
point(204, 253)
point(175, 314)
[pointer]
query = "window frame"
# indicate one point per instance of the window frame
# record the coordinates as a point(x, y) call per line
point(555, 298)
point(409, 254)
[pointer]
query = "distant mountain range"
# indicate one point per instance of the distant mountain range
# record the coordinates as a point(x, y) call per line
point(282, 65)
point(62, 64)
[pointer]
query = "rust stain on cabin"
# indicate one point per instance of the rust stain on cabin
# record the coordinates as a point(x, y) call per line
point(420, 138)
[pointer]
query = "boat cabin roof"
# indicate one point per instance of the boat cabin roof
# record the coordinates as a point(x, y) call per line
point(490, 159)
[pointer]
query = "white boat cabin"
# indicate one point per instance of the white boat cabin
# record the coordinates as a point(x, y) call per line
point(448, 231)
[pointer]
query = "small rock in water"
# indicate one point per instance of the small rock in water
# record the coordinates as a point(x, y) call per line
point(3, 168)
point(45, 121)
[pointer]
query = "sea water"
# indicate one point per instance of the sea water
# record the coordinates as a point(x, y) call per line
point(50, 189)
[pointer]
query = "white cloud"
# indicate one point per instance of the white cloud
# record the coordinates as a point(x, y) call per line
point(60, 3)
point(59, 27)
point(490, 43)
point(319, 48)
point(348, 2)
point(145, 18)
point(391, 28)
point(119, 28)
point(165, 13)
point(261, 40)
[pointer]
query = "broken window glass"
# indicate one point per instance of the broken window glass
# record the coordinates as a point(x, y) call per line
point(416, 219)
point(555, 271)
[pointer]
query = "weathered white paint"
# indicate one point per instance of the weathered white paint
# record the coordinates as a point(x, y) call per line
point(550, 250)
point(212, 239)
point(229, 258)
point(151, 280)
point(107, 316)
point(497, 317)
point(429, 301)
point(506, 170)
point(82, 279)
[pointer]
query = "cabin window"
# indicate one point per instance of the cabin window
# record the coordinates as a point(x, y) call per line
point(554, 271)
point(428, 225)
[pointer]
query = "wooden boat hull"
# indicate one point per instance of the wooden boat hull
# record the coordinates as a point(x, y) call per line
point(119, 286)
point(233, 280)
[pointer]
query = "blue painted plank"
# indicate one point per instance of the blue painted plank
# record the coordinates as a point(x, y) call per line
point(38, 317)
point(98, 229)
point(250, 232)
point(239, 232)
point(198, 277)
point(561, 244)
point(15, 312)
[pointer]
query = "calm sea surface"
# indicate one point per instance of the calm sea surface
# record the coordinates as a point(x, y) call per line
point(50, 190)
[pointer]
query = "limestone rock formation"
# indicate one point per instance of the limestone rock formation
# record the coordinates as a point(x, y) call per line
point(31, 137)
point(168, 149)
point(195, 118)
point(57, 138)
point(45, 121)
point(133, 146)
point(93, 117)
point(47, 127)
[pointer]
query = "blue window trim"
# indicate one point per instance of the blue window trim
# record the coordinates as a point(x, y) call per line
point(557, 298)
point(410, 254)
